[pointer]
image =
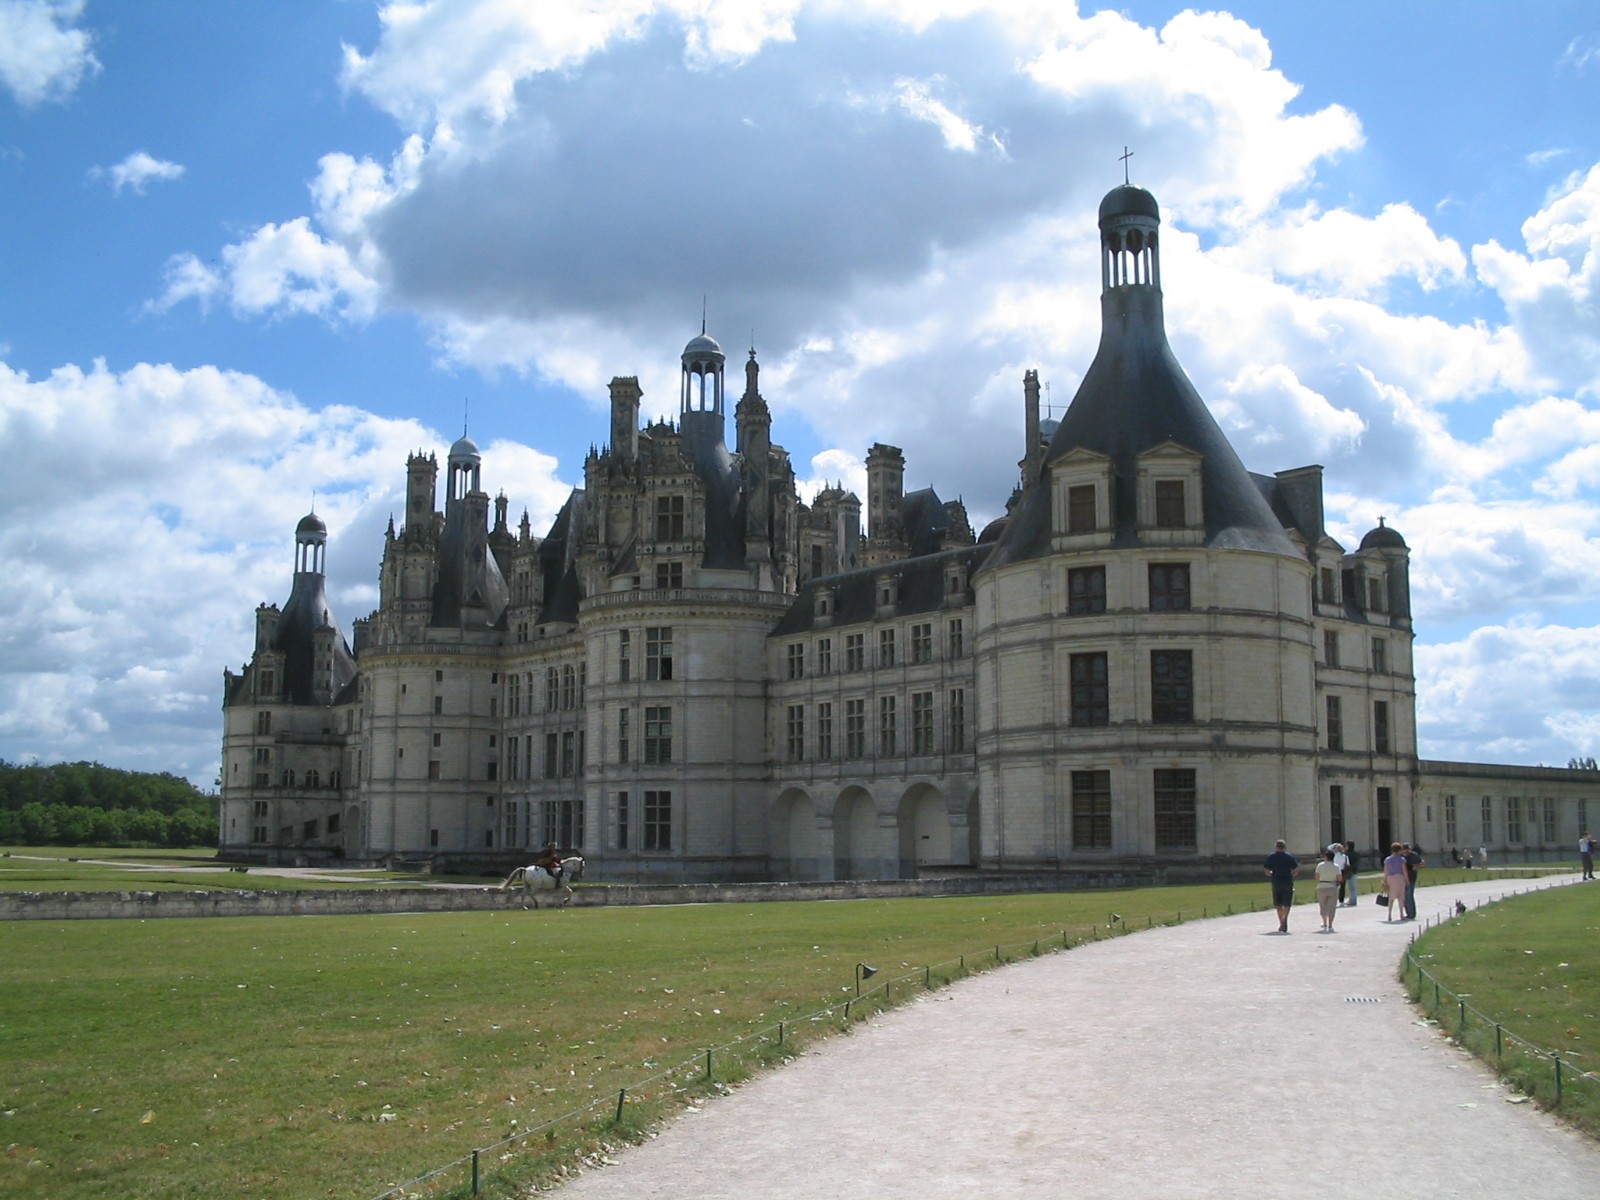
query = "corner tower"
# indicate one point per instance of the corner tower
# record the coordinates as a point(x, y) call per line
point(1143, 625)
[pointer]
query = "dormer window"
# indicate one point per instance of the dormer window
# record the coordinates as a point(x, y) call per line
point(1081, 501)
point(669, 518)
point(1169, 478)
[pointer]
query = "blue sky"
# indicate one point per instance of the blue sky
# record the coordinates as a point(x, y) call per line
point(256, 252)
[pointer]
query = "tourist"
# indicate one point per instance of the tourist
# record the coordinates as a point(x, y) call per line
point(1350, 872)
point(1586, 853)
point(1413, 866)
point(1466, 858)
point(1340, 861)
point(1281, 867)
point(1483, 857)
point(1394, 881)
point(1328, 875)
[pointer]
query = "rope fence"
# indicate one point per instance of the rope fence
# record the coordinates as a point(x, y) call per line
point(1546, 1076)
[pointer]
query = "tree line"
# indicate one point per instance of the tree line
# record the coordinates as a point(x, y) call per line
point(86, 804)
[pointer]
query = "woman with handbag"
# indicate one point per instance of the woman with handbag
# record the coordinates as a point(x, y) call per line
point(1394, 880)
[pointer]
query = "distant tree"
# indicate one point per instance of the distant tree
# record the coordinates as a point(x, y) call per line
point(1583, 764)
point(89, 804)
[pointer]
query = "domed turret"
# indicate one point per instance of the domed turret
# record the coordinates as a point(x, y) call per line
point(310, 541)
point(465, 450)
point(1383, 538)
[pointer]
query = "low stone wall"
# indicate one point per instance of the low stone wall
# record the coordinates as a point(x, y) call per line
point(73, 906)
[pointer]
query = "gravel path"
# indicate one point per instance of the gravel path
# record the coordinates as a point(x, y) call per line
point(1211, 1059)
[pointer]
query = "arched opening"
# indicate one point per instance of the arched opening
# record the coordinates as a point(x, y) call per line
point(794, 848)
point(924, 822)
point(855, 836)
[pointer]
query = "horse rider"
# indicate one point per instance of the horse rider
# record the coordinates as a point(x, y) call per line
point(550, 859)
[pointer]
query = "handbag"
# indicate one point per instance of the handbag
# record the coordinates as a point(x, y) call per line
point(1382, 899)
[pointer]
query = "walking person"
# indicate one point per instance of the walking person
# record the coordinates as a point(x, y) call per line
point(1328, 876)
point(1586, 853)
point(1340, 861)
point(1394, 881)
point(1281, 867)
point(1414, 863)
point(1352, 869)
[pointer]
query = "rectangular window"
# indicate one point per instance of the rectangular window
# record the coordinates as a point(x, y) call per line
point(1450, 820)
point(1330, 648)
point(491, 771)
point(438, 706)
point(513, 695)
point(1336, 812)
point(1091, 694)
point(1169, 587)
point(957, 639)
point(956, 741)
point(657, 735)
point(658, 653)
point(1080, 509)
point(552, 689)
point(1169, 504)
point(622, 820)
point(1380, 656)
point(1171, 687)
point(922, 723)
point(669, 518)
point(886, 647)
point(1380, 726)
point(511, 758)
point(797, 660)
point(855, 728)
point(1385, 809)
point(1513, 818)
point(1091, 810)
point(887, 732)
point(824, 656)
point(922, 642)
point(569, 688)
point(624, 722)
point(562, 823)
point(569, 760)
point(825, 731)
point(855, 651)
point(263, 723)
point(433, 769)
point(669, 575)
point(1175, 810)
point(1335, 724)
point(1330, 586)
point(796, 732)
point(657, 821)
point(1375, 598)
point(1486, 820)
point(552, 755)
point(625, 655)
point(1086, 590)
point(510, 817)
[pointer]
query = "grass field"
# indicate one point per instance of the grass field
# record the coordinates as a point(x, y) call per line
point(292, 1057)
point(1532, 965)
point(58, 869)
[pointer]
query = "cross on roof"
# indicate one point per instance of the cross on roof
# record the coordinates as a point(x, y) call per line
point(1126, 155)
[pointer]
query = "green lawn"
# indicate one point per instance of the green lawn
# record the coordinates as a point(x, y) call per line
point(59, 869)
point(289, 1057)
point(336, 1055)
point(1531, 965)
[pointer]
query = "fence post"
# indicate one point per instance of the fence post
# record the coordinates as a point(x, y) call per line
point(708, 1064)
point(780, 1033)
point(1556, 1055)
point(474, 1172)
point(622, 1095)
point(1497, 1042)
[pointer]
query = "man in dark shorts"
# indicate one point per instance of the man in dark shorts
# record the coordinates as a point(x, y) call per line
point(1281, 867)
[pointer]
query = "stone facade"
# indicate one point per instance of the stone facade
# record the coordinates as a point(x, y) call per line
point(1155, 658)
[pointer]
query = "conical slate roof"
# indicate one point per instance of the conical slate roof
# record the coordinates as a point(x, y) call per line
point(1134, 397)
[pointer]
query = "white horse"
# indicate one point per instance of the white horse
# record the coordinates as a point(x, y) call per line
point(533, 880)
